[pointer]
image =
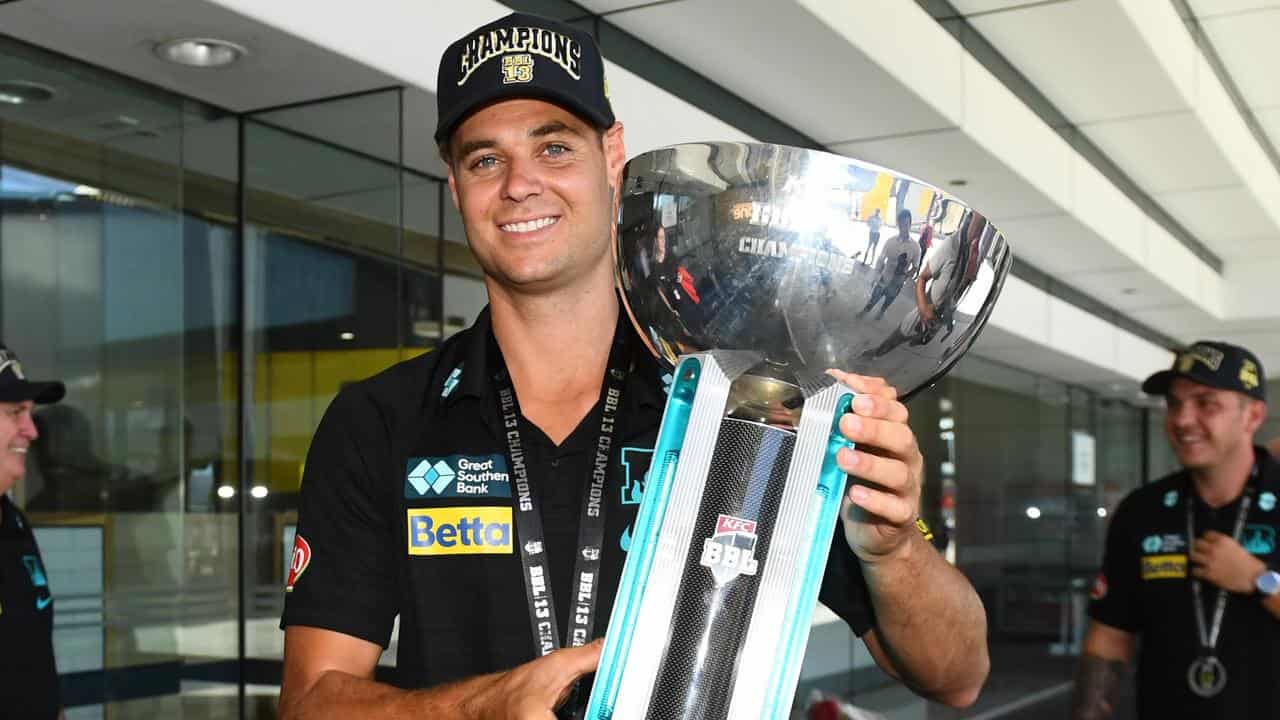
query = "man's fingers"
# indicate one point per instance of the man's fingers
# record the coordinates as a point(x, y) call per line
point(865, 383)
point(575, 662)
point(881, 407)
point(892, 508)
point(891, 474)
point(895, 439)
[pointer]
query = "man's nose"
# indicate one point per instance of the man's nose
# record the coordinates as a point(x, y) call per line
point(27, 426)
point(523, 179)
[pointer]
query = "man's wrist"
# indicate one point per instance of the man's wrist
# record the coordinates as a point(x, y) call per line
point(1266, 584)
point(903, 552)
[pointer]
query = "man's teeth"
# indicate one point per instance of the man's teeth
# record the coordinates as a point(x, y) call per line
point(529, 225)
point(20, 450)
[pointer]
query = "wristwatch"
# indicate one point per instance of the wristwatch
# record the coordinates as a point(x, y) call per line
point(1268, 583)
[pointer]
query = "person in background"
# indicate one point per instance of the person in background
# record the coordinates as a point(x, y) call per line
point(1189, 566)
point(28, 673)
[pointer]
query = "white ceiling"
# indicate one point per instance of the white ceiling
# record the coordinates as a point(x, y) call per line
point(895, 92)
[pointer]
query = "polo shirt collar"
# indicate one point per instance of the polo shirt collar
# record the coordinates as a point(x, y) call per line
point(472, 373)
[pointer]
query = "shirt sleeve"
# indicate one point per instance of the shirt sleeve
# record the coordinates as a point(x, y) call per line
point(343, 576)
point(844, 590)
point(1115, 595)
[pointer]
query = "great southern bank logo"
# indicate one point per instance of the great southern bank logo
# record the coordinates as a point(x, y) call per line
point(457, 476)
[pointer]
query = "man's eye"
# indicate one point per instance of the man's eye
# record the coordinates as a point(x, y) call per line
point(556, 149)
point(484, 163)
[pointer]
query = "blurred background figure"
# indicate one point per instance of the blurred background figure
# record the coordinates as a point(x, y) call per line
point(899, 262)
point(28, 673)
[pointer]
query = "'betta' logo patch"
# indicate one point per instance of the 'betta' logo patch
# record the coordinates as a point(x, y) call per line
point(298, 561)
point(730, 552)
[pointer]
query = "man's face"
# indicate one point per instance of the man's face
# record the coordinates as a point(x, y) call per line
point(1206, 425)
point(533, 184)
point(17, 432)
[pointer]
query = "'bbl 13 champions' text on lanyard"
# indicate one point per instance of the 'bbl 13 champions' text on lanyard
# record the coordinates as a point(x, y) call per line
point(586, 571)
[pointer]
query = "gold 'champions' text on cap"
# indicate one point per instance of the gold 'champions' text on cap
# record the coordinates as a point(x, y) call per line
point(560, 49)
point(1211, 357)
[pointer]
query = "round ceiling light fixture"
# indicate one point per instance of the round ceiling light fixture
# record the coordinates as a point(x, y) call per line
point(21, 92)
point(200, 52)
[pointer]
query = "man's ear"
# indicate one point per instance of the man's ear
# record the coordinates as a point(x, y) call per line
point(1256, 415)
point(615, 155)
point(453, 190)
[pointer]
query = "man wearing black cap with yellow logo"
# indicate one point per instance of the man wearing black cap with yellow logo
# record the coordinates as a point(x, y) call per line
point(485, 492)
point(28, 677)
point(1190, 561)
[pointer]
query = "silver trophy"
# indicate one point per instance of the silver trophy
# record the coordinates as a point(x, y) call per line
point(751, 269)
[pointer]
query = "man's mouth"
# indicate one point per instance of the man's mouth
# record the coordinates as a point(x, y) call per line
point(525, 226)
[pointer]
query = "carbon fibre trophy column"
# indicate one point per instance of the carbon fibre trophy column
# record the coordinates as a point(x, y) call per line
point(751, 269)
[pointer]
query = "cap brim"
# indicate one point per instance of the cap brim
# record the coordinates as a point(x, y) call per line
point(445, 126)
point(41, 393)
point(1158, 384)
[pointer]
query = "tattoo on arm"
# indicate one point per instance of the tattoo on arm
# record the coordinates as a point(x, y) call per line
point(1097, 688)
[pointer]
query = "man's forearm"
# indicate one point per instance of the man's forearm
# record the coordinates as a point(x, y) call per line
point(1097, 688)
point(930, 623)
point(341, 695)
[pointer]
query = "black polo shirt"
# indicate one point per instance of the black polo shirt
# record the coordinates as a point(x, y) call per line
point(1144, 588)
point(28, 676)
point(406, 509)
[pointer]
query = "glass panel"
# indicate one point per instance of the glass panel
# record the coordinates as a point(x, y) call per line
point(117, 275)
point(342, 277)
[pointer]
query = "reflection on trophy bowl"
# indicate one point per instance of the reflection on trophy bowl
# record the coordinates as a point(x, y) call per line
point(813, 260)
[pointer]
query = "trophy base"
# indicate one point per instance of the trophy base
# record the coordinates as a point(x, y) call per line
point(713, 612)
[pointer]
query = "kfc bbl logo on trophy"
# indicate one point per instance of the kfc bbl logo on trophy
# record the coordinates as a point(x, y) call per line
point(730, 552)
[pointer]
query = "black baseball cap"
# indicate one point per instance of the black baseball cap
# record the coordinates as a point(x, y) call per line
point(1216, 364)
point(15, 387)
point(523, 56)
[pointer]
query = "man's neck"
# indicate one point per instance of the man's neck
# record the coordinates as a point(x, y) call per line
point(1222, 484)
point(556, 346)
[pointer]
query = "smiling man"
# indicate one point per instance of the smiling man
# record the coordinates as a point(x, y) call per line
point(484, 493)
point(1190, 559)
point(28, 676)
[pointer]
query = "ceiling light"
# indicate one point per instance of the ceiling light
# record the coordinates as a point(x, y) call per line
point(347, 336)
point(259, 491)
point(21, 92)
point(226, 492)
point(1102, 512)
point(1033, 512)
point(958, 182)
point(200, 52)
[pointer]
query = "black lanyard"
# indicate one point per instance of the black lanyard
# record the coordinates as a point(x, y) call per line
point(1209, 637)
point(586, 571)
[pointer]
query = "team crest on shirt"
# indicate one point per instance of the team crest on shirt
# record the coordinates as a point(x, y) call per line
point(1259, 539)
point(635, 473)
point(1171, 498)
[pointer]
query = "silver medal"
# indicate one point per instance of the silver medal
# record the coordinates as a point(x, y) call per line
point(1207, 676)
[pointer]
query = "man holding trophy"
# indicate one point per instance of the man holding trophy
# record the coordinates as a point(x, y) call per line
point(487, 493)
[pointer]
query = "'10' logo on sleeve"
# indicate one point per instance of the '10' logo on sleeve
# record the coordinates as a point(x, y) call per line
point(460, 531)
point(730, 552)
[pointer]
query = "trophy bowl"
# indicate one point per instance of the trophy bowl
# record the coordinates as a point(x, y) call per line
point(751, 269)
point(804, 257)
